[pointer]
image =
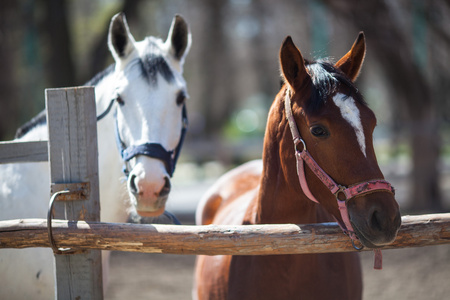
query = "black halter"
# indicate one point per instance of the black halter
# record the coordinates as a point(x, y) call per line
point(154, 150)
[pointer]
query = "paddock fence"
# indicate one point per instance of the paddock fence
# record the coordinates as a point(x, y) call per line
point(71, 150)
point(416, 231)
point(72, 154)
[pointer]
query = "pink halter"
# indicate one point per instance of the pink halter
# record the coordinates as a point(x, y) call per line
point(342, 193)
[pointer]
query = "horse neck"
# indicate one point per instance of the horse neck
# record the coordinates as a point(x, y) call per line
point(280, 199)
point(104, 93)
point(113, 192)
point(105, 88)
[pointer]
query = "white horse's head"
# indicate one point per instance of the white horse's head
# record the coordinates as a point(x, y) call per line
point(150, 117)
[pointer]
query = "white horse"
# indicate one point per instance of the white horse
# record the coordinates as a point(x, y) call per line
point(141, 102)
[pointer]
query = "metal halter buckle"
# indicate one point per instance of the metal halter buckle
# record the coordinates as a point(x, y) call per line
point(356, 247)
point(298, 141)
point(341, 191)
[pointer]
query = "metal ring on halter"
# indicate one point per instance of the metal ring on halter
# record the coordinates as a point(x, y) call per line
point(340, 191)
point(297, 141)
point(354, 246)
point(56, 250)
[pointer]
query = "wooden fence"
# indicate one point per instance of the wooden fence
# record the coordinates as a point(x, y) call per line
point(72, 153)
point(72, 128)
point(423, 230)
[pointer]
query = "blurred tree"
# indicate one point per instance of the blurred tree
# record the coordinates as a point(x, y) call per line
point(100, 56)
point(9, 19)
point(263, 67)
point(234, 57)
point(389, 39)
point(217, 92)
point(58, 57)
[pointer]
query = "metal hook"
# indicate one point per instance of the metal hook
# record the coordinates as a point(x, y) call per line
point(56, 250)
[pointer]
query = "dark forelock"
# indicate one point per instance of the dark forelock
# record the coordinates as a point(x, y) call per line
point(153, 63)
point(326, 80)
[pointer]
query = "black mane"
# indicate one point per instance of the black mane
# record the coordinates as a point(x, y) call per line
point(326, 79)
point(39, 119)
point(99, 77)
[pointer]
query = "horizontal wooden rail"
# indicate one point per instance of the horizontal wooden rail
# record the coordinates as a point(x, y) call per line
point(416, 231)
point(14, 152)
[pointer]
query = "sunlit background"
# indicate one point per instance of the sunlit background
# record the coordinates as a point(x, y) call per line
point(233, 75)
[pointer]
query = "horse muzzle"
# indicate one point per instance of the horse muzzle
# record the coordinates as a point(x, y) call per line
point(375, 219)
point(148, 195)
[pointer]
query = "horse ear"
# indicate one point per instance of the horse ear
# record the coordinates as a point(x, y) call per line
point(120, 40)
point(292, 64)
point(179, 38)
point(351, 62)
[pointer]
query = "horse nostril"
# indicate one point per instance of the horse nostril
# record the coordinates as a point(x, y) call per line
point(398, 220)
point(376, 221)
point(132, 185)
point(166, 188)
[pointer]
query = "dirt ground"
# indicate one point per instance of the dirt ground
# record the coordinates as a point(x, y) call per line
point(413, 273)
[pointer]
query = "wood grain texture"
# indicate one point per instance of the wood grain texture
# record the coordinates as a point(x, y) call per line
point(73, 156)
point(15, 152)
point(416, 231)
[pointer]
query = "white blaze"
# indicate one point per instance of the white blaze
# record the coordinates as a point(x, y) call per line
point(351, 114)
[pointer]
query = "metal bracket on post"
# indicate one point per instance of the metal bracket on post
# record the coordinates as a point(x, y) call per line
point(65, 192)
point(76, 191)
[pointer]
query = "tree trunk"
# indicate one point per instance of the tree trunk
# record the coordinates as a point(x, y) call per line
point(9, 102)
point(218, 96)
point(99, 55)
point(59, 61)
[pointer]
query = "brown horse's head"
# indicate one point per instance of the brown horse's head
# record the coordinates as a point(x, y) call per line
point(337, 127)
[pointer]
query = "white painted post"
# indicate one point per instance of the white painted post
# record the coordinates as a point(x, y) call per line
point(73, 158)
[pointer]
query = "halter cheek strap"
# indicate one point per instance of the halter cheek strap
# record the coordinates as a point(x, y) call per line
point(154, 150)
point(342, 193)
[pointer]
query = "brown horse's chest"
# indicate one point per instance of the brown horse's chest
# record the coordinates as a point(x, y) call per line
point(311, 276)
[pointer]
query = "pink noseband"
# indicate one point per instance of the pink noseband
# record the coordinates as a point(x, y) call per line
point(342, 193)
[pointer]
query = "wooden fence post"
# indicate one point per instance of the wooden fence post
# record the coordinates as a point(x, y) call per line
point(73, 158)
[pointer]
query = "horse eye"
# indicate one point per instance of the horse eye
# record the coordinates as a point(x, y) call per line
point(319, 131)
point(181, 97)
point(120, 100)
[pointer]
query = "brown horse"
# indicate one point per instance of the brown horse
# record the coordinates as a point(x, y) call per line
point(336, 126)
